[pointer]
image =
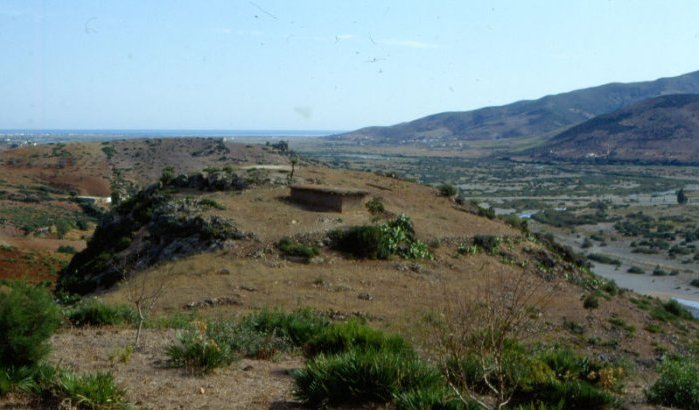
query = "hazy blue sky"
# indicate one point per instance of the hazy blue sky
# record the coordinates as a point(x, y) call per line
point(284, 64)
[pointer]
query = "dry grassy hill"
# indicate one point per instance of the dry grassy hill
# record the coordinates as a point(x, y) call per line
point(39, 211)
point(401, 295)
point(214, 242)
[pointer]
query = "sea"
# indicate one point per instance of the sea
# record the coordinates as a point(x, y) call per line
point(47, 136)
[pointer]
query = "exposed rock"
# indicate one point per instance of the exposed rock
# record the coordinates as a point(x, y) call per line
point(365, 296)
point(143, 231)
point(212, 302)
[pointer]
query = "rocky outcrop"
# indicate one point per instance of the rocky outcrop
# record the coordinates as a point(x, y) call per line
point(152, 227)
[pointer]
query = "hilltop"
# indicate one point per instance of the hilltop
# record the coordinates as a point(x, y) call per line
point(283, 255)
point(659, 130)
point(540, 117)
point(52, 196)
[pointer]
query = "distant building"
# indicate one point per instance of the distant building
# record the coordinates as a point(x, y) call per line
point(331, 199)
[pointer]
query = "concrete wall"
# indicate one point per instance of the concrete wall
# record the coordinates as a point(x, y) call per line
point(325, 201)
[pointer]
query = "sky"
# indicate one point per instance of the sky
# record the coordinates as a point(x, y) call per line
point(325, 64)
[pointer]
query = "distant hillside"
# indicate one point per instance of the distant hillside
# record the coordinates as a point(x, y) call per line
point(523, 118)
point(661, 129)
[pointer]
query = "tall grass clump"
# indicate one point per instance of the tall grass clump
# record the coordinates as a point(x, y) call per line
point(28, 318)
point(92, 312)
point(96, 391)
point(678, 385)
point(197, 350)
point(292, 248)
point(362, 376)
point(354, 335)
point(297, 327)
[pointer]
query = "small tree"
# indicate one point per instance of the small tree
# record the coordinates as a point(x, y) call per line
point(479, 337)
point(682, 197)
point(28, 318)
point(294, 160)
point(143, 291)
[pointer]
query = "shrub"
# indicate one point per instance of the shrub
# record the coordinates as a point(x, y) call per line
point(606, 259)
point(590, 302)
point(611, 287)
point(447, 190)
point(360, 377)
point(354, 335)
point(247, 341)
point(26, 379)
point(678, 385)
point(396, 237)
point(196, 350)
point(621, 323)
point(489, 243)
point(375, 206)
point(92, 391)
point(695, 282)
point(636, 270)
point(66, 249)
point(435, 398)
point(658, 271)
point(92, 312)
point(515, 221)
point(210, 203)
point(575, 394)
point(291, 248)
point(676, 309)
point(28, 318)
point(364, 242)
point(296, 327)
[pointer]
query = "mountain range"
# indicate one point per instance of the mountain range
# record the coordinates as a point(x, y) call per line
point(661, 129)
point(545, 116)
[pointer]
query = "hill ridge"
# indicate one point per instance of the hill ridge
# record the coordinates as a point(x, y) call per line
point(542, 116)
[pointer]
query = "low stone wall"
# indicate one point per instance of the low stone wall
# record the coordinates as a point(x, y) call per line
point(327, 198)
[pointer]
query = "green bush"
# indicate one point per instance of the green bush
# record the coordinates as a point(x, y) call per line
point(210, 203)
point(434, 398)
point(28, 318)
point(621, 323)
point(516, 222)
point(361, 377)
point(197, 351)
point(26, 379)
point(67, 249)
point(447, 190)
point(396, 237)
point(676, 309)
point(489, 243)
point(92, 312)
point(92, 391)
point(375, 206)
point(658, 271)
point(291, 248)
point(678, 385)
point(297, 327)
point(606, 259)
point(247, 341)
point(636, 270)
point(354, 335)
point(695, 282)
point(573, 394)
point(365, 242)
point(590, 302)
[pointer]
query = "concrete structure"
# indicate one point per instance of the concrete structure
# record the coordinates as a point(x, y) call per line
point(325, 198)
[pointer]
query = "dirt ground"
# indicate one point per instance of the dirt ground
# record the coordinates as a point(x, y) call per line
point(150, 384)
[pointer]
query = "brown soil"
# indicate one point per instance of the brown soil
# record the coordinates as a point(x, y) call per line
point(246, 384)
